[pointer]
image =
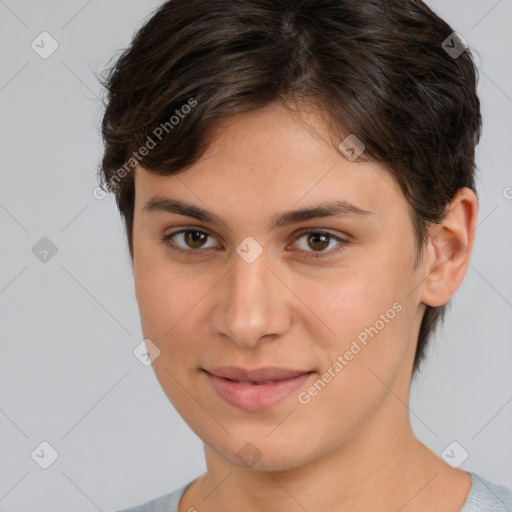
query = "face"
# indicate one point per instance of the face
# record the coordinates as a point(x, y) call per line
point(318, 305)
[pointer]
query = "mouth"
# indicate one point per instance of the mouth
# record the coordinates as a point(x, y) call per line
point(256, 390)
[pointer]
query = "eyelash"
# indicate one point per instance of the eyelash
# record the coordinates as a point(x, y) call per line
point(342, 242)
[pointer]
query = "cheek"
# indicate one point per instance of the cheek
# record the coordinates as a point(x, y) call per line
point(364, 309)
point(370, 344)
point(157, 293)
point(171, 304)
point(164, 302)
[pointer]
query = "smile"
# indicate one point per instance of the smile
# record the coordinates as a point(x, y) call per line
point(256, 395)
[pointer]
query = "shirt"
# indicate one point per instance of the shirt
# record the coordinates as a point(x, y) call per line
point(484, 496)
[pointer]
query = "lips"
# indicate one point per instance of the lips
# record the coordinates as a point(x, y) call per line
point(256, 376)
point(257, 389)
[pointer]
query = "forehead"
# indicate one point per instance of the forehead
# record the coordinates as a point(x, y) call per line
point(268, 160)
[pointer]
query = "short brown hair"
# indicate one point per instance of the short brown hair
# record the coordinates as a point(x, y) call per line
point(373, 68)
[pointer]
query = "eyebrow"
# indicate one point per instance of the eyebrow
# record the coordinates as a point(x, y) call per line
point(282, 219)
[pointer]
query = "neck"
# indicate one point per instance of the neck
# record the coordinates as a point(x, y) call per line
point(377, 469)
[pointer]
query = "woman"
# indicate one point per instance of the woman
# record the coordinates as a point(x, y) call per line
point(297, 184)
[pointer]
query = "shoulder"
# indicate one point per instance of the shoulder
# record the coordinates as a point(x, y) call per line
point(166, 503)
point(486, 496)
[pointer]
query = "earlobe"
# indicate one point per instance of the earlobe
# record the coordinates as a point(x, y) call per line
point(450, 248)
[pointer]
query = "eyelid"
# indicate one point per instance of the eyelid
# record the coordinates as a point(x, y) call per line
point(342, 242)
point(168, 236)
point(321, 231)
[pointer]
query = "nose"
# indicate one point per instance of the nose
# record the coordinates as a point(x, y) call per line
point(253, 303)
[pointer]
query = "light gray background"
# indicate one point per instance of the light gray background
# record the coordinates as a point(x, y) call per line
point(69, 326)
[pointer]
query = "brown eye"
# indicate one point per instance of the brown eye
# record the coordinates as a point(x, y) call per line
point(193, 242)
point(190, 241)
point(194, 239)
point(318, 241)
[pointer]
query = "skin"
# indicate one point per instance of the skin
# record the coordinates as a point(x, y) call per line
point(351, 447)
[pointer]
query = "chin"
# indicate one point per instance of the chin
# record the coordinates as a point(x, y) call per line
point(264, 453)
point(267, 460)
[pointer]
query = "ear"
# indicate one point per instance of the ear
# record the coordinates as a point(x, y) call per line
point(449, 249)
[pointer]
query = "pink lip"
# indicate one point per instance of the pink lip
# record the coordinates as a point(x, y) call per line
point(253, 392)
